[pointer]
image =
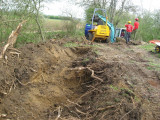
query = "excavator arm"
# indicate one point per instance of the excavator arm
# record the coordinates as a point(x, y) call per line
point(110, 26)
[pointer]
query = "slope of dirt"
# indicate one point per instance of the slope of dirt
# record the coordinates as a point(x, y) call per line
point(38, 79)
point(49, 81)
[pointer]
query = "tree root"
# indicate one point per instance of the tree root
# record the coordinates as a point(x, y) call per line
point(12, 39)
point(59, 113)
point(93, 76)
point(73, 103)
point(92, 72)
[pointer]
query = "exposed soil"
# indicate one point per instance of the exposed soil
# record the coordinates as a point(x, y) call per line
point(48, 81)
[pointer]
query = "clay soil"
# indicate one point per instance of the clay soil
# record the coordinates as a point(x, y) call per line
point(49, 81)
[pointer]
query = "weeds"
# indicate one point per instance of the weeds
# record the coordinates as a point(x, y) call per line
point(148, 47)
point(97, 52)
point(71, 44)
point(27, 38)
point(117, 100)
point(137, 99)
point(86, 60)
point(114, 87)
point(153, 66)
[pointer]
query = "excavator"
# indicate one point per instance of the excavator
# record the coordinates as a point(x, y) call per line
point(103, 31)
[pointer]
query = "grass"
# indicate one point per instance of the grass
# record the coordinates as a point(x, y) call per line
point(114, 87)
point(53, 24)
point(150, 68)
point(56, 25)
point(97, 52)
point(27, 38)
point(154, 66)
point(86, 60)
point(71, 44)
point(53, 29)
point(148, 47)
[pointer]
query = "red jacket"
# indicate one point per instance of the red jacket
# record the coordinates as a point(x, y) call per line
point(136, 25)
point(129, 27)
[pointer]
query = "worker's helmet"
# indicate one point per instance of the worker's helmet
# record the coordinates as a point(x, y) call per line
point(136, 19)
point(129, 22)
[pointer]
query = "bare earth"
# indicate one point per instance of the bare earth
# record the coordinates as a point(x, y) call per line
point(49, 81)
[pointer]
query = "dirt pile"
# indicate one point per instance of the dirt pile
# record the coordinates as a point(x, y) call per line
point(38, 79)
point(121, 41)
point(50, 81)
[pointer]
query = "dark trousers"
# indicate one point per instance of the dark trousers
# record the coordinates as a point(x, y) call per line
point(128, 35)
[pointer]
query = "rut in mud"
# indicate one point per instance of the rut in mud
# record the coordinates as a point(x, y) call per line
point(49, 81)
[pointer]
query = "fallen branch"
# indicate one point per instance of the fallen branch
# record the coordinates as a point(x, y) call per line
point(12, 39)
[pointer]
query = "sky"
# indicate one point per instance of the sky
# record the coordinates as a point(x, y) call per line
point(66, 8)
point(148, 4)
point(63, 8)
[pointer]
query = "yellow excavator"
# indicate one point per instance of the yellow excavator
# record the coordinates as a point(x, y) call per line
point(103, 31)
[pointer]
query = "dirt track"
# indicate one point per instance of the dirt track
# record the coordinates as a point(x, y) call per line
point(108, 82)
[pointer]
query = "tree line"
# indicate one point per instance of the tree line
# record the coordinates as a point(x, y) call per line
point(12, 12)
point(57, 17)
point(121, 11)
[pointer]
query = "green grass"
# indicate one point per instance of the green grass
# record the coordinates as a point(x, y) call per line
point(114, 87)
point(53, 24)
point(71, 44)
point(148, 47)
point(97, 52)
point(137, 99)
point(150, 68)
point(27, 38)
point(154, 66)
point(86, 60)
point(56, 35)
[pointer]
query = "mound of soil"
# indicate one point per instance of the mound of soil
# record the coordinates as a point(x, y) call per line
point(49, 81)
point(120, 40)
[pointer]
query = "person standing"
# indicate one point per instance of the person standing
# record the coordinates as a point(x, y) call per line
point(136, 26)
point(129, 29)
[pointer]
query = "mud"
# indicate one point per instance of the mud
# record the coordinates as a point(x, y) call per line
point(49, 81)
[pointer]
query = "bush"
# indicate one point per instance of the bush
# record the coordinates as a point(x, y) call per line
point(70, 26)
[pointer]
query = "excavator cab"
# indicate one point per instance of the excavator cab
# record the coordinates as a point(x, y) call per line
point(120, 32)
point(101, 31)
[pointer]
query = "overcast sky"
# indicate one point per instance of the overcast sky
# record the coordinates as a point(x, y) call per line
point(64, 7)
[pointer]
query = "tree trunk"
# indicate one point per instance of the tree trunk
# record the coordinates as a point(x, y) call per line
point(37, 18)
point(113, 9)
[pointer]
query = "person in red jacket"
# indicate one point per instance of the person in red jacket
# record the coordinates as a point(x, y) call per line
point(129, 29)
point(136, 25)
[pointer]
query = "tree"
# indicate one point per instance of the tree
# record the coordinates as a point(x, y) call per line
point(37, 6)
point(116, 9)
point(12, 12)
